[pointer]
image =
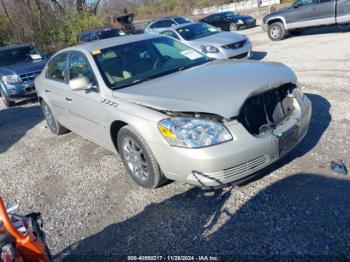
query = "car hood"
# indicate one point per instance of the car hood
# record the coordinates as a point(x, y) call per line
point(278, 12)
point(219, 39)
point(219, 87)
point(22, 68)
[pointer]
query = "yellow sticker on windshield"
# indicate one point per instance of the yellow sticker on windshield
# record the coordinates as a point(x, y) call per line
point(96, 52)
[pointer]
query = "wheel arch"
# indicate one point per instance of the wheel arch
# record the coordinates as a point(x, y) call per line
point(114, 131)
point(275, 19)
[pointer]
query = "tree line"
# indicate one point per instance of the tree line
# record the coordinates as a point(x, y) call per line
point(53, 24)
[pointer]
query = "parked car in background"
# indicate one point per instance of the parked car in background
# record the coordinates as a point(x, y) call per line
point(165, 22)
point(19, 65)
point(304, 14)
point(211, 40)
point(230, 21)
point(159, 102)
point(100, 33)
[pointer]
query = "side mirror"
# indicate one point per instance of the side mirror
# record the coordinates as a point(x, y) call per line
point(80, 83)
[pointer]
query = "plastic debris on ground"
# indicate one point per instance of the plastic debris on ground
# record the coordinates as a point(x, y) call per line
point(339, 167)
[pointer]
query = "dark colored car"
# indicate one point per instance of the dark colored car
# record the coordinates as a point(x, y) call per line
point(19, 65)
point(304, 14)
point(230, 21)
point(101, 33)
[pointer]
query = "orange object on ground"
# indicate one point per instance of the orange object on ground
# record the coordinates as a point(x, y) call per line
point(28, 246)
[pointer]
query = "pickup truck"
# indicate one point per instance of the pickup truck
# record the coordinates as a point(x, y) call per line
point(304, 14)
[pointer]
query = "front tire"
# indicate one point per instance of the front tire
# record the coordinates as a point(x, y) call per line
point(54, 126)
point(276, 31)
point(6, 101)
point(138, 159)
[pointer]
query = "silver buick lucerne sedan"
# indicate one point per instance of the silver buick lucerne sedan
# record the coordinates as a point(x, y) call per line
point(171, 112)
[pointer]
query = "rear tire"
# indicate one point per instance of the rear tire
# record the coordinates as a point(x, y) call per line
point(138, 159)
point(6, 101)
point(276, 31)
point(54, 126)
point(233, 27)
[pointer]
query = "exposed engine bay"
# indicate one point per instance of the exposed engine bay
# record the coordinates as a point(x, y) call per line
point(262, 113)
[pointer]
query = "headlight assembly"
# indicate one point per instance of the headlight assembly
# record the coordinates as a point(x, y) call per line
point(209, 49)
point(192, 132)
point(240, 22)
point(11, 79)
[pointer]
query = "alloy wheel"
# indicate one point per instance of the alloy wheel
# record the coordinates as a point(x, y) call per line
point(275, 32)
point(135, 158)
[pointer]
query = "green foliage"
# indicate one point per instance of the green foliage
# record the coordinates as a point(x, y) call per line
point(6, 34)
point(58, 34)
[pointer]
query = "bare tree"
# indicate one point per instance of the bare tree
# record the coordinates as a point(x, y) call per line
point(9, 19)
point(81, 5)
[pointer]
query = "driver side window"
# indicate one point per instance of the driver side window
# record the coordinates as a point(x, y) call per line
point(306, 2)
point(79, 66)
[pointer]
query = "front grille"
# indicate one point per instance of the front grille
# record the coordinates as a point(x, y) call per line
point(240, 56)
point(240, 171)
point(236, 45)
point(29, 76)
point(248, 166)
point(29, 89)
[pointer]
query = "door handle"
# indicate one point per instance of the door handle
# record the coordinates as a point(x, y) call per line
point(68, 99)
point(47, 90)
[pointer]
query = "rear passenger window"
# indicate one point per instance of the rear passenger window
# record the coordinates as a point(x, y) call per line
point(57, 67)
point(170, 34)
point(162, 24)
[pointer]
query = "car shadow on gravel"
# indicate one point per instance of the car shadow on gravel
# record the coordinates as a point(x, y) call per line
point(303, 214)
point(15, 122)
point(258, 55)
point(325, 30)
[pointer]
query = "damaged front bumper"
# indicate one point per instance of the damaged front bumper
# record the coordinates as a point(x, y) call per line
point(242, 157)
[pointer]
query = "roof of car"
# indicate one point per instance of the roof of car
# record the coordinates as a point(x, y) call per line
point(8, 47)
point(109, 42)
point(182, 25)
point(164, 18)
point(95, 30)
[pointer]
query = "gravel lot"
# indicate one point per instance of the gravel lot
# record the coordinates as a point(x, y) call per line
point(91, 206)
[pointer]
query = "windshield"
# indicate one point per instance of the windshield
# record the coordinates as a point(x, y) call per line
point(196, 31)
point(110, 33)
point(182, 20)
point(17, 55)
point(135, 62)
point(229, 14)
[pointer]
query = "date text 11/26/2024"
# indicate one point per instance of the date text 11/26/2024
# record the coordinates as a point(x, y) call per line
point(173, 258)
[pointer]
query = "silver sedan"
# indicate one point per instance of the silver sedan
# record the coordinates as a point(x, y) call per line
point(211, 40)
point(172, 112)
